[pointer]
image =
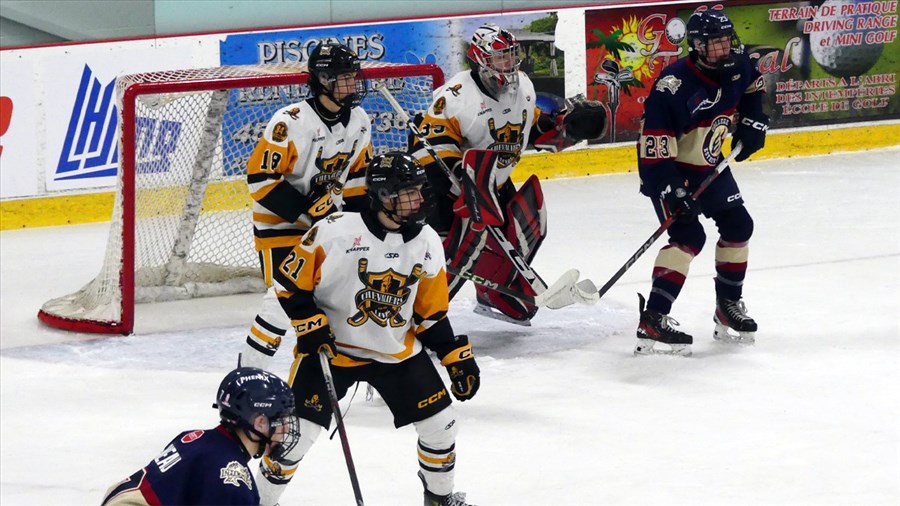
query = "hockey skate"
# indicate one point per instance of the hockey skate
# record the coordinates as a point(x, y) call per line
point(659, 328)
point(454, 499)
point(484, 308)
point(732, 323)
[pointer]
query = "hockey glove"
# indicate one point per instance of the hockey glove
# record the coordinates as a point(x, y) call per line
point(465, 377)
point(752, 134)
point(314, 335)
point(321, 207)
point(586, 119)
point(676, 199)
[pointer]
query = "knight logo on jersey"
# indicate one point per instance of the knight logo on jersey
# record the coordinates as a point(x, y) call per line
point(330, 169)
point(235, 473)
point(90, 148)
point(507, 140)
point(715, 139)
point(384, 294)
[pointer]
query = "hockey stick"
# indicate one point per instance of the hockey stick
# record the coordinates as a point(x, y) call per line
point(668, 222)
point(325, 360)
point(525, 270)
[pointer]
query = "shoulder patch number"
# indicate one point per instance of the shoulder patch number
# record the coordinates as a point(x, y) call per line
point(657, 146)
point(292, 265)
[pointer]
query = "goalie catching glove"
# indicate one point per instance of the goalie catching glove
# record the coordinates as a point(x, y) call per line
point(561, 127)
point(458, 358)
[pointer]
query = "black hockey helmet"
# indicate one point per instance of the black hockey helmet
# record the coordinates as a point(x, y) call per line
point(705, 24)
point(327, 61)
point(247, 392)
point(387, 176)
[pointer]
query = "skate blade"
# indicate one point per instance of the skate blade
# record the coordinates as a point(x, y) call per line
point(489, 312)
point(648, 347)
point(728, 335)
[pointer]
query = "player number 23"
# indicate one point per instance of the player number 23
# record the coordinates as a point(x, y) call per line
point(657, 146)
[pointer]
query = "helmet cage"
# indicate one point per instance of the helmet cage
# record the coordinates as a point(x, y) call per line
point(707, 25)
point(246, 393)
point(497, 55)
point(387, 176)
point(327, 63)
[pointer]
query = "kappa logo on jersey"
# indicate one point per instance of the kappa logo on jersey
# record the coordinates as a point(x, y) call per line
point(507, 140)
point(313, 403)
point(235, 473)
point(383, 296)
point(90, 148)
point(330, 169)
point(715, 139)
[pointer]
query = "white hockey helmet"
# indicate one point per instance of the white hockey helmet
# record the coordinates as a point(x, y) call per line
point(495, 53)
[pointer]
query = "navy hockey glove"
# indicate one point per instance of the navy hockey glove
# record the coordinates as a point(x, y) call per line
point(676, 199)
point(314, 335)
point(465, 377)
point(752, 134)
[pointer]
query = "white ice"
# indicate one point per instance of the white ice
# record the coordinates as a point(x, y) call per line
point(565, 415)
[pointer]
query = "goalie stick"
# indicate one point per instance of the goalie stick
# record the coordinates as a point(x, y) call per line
point(566, 291)
point(525, 270)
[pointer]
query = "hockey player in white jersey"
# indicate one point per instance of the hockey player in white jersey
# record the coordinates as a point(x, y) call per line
point(310, 161)
point(493, 107)
point(370, 288)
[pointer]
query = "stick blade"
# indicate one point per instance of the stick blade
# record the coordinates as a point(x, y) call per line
point(567, 290)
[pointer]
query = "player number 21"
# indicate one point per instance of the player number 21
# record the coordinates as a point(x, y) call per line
point(292, 265)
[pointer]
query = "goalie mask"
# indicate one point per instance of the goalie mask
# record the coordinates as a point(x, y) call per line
point(334, 72)
point(246, 393)
point(494, 52)
point(712, 41)
point(398, 187)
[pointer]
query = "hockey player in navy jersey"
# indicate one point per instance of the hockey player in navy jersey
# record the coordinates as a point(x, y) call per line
point(370, 289)
point(310, 161)
point(688, 114)
point(210, 466)
point(493, 106)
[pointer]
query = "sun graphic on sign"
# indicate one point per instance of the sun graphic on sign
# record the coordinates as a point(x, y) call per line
point(639, 64)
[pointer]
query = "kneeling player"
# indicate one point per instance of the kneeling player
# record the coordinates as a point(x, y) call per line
point(210, 466)
point(385, 269)
point(493, 107)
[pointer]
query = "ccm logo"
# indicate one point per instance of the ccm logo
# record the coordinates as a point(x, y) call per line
point(732, 198)
point(434, 398)
point(756, 125)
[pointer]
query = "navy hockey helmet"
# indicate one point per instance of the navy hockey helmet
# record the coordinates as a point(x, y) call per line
point(712, 24)
point(387, 176)
point(247, 392)
point(329, 60)
point(496, 55)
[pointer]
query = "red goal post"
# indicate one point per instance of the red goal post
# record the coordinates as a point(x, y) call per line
point(181, 224)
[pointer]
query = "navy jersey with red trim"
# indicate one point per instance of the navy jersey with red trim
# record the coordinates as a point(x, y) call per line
point(197, 467)
point(687, 117)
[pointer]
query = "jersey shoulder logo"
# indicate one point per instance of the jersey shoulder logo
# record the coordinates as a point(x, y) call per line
point(439, 105)
point(455, 89)
point(383, 296)
point(235, 473)
point(310, 236)
point(279, 133)
point(668, 83)
point(190, 437)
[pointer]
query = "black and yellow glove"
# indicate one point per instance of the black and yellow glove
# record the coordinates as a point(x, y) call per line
point(314, 335)
point(465, 376)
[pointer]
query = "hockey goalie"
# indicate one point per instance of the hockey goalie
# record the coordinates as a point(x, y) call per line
point(478, 125)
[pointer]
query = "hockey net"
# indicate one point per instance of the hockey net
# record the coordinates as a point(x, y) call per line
point(181, 224)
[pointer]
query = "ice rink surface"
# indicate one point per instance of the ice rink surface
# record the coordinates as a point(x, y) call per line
point(566, 415)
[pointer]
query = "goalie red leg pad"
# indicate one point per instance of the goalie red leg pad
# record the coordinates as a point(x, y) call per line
point(462, 247)
point(478, 200)
point(526, 227)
